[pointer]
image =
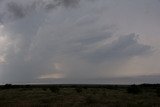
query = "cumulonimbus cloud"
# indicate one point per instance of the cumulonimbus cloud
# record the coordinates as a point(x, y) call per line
point(61, 42)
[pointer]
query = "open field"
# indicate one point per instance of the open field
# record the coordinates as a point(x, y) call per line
point(80, 95)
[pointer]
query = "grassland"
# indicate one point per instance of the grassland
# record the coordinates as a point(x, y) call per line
point(79, 96)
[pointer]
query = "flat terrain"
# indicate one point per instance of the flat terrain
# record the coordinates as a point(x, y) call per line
point(79, 96)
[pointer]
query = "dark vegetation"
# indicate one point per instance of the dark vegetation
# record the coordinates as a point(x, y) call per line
point(144, 95)
point(134, 89)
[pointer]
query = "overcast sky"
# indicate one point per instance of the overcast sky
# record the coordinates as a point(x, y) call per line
point(80, 41)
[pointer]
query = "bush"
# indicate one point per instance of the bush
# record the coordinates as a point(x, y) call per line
point(78, 90)
point(133, 89)
point(7, 86)
point(55, 89)
point(90, 100)
point(44, 89)
point(158, 92)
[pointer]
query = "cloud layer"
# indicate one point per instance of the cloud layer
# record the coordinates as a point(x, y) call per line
point(62, 39)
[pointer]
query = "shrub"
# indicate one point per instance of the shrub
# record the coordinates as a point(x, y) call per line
point(158, 92)
point(7, 86)
point(133, 89)
point(44, 89)
point(90, 100)
point(78, 90)
point(55, 89)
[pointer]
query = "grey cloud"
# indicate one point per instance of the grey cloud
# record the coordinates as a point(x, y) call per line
point(40, 39)
point(16, 10)
point(19, 9)
point(94, 37)
point(69, 3)
point(123, 48)
point(51, 6)
point(1, 0)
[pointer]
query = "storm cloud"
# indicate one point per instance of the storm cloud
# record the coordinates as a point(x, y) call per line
point(63, 39)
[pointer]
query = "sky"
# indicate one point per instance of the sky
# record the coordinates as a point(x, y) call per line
point(79, 41)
